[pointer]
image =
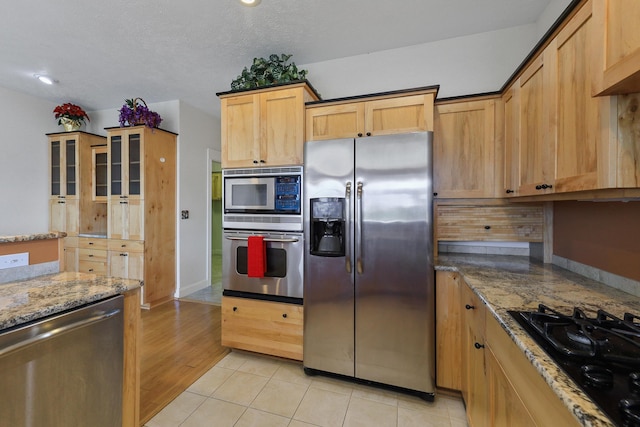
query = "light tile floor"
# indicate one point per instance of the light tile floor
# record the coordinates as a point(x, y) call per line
point(246, 389)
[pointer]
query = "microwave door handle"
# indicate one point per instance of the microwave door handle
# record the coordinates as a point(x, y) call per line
point(347, 250)
point(266, 239)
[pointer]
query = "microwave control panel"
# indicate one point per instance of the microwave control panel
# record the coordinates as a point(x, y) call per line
point(287, 193)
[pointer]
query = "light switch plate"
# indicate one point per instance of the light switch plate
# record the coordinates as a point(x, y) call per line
point(14, 260)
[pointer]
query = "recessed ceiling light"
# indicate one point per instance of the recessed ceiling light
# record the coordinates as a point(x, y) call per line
point(250, 3)
point(45, 79)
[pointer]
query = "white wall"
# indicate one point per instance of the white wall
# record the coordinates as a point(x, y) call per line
point(461, 66)
point(198, 132)
point(24, 157)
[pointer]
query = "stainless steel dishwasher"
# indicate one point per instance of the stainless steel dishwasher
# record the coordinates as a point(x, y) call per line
point(64, 370)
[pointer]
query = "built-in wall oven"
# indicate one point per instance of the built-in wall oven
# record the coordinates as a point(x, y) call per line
point(265, 202)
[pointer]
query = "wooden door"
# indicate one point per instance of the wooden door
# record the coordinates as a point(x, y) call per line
point(464, 147)
point(511, 105)
point(506, 407)
point(578, 114)
point(282, 127)
point(536, 132)
point(335, 121)
point(399, 115)
point(448, 330)
point(616, 48)
point(240, 122)
point(473, 360)
point(126, 219)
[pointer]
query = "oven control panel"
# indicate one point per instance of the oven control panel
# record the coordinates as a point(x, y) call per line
point(287, 193)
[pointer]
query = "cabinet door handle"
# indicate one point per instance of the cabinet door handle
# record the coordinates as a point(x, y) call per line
point(235, 308)
point(124, 254)
point(478, 345)
point(90, 270)
point(510, 191)
point(90, 256)
point(359, 134)
point(284, 315)
point(61, 202)
point(368, 133)
point(255, 162)
point(487, 227)
point(469, 307)
point(124, 202)
point(262, 161)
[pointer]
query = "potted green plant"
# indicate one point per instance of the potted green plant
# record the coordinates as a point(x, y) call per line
point(267, 72)
point(70, 116)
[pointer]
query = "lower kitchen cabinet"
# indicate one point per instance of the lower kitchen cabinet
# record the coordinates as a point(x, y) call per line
point(266, 327)
point(92, 255)
point(499, 385)
point(126, 258)
point(474, 376)
point(448, 330)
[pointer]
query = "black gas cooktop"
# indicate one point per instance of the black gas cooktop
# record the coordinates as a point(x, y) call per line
point(600, 353)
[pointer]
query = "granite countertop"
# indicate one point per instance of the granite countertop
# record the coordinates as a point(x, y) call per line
point(32, 299)
point(516, 283)
point(34, 236)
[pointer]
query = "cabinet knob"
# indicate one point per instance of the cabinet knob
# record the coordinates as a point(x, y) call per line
point(262, 161)
point(91, 243)
point(487, 227)
point(124, 202)
point(90, 256)
point(368, 133)
point(235, 308)
point(61, 202)
point(510, 191)
point(543, 186)
point(90, 270)
point(284, 315)
point(255, 162)
point(435, 194)
point(478, 345)
point(124, 254)
point(469, 307)
point(359, 134)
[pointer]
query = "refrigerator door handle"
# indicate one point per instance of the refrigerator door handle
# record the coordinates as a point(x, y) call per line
point(359, 228)
point(347, 251)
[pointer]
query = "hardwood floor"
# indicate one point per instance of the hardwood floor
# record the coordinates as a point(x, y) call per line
point(180, 342)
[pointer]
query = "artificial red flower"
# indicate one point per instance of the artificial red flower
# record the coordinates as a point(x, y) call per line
point(70, 111)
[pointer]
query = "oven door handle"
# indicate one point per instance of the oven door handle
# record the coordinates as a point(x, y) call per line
point(266, 239)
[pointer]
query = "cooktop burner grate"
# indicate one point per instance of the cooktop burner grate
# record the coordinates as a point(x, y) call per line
point(600, 353)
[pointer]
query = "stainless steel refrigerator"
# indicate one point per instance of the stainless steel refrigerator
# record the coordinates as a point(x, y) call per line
point(368, 276)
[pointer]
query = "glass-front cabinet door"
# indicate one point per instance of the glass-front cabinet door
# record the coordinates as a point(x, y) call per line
point(63, 170)
point(125, 164)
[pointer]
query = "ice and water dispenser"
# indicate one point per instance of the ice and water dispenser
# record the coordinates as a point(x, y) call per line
point(327, 226)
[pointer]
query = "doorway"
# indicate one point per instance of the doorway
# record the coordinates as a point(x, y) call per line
point(216, 230)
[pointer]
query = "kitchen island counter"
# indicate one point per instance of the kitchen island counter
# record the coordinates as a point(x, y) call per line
point(27, 300)
point(517, 283)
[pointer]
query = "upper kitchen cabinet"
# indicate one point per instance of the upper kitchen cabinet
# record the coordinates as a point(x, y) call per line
point(558, 138)
point(464, 149)
point(264, 127)
point(617, 47)
point(142, 209)
point(375, 114)
point(71, 181)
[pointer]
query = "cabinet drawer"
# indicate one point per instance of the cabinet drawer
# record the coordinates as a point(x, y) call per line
point(91, 243)
point(125, 245)
point(92, 255)
point(263, 326)
point(95, 267)
point(489, 223)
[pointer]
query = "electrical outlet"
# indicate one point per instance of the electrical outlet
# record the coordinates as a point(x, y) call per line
point(14, 260)
point(185, 214)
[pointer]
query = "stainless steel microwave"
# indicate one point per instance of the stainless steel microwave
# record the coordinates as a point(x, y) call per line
point(263, 198)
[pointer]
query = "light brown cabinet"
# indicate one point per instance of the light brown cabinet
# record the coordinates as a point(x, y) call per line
point(557, 137)
point(264, 127)
point(449, 330)
point(92, 255)
point(141, 206)
point(263, 326)
point(70, 172)
point(474, 376)
point(126, 258)
point(616, 53)
point(464, 149)
point(499, 385)
point(378, 114)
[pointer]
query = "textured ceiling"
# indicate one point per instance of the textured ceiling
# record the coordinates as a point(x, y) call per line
point(102, 52)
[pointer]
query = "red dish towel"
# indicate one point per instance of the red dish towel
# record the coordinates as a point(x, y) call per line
point(256, 256)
